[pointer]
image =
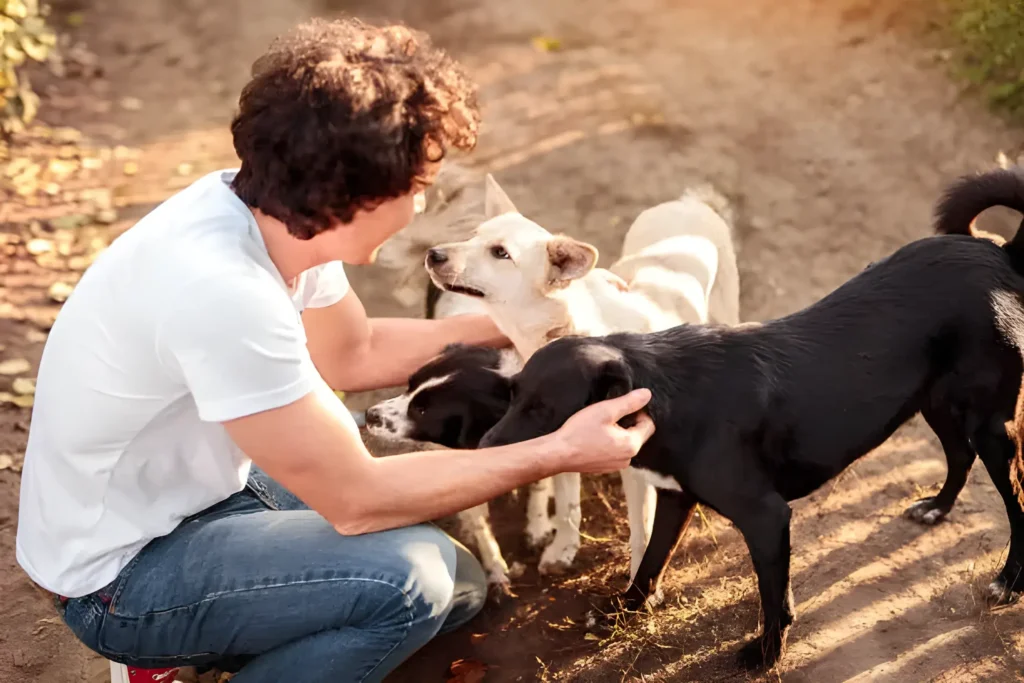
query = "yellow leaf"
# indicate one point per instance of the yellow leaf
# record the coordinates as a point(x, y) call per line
point(14, 366)
point(36, 51)
point(20, 401)
point(75, 19)
point(131, 167)
point(547, 44)
point(24, 386)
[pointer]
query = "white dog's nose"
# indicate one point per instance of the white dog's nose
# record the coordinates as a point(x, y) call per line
point(436, 256)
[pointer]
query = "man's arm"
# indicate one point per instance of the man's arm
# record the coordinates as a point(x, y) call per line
point(308, 448)
point(356, 353)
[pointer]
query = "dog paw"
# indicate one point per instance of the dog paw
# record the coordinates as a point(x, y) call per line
point(499, 588)
point(999, 592)
point(759, 653)
point(516, 570)
point(558, 557)
point(539, 532)
point(926, 511)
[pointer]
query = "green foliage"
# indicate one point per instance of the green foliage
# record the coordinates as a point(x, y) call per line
point(990, 39)
point(24, 36)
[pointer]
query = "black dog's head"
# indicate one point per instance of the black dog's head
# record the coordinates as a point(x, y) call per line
point(559, 380)
point(452, 400)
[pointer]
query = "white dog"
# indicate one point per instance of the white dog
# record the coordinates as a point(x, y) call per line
point(680, 266)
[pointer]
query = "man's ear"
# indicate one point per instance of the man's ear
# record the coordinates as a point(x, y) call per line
point(496, 202)
point(569, 259)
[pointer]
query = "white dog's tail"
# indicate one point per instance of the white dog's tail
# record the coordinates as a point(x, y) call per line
point(706, 193)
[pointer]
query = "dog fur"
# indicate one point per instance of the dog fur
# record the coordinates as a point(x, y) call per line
point(752, 417)
point(680, 266)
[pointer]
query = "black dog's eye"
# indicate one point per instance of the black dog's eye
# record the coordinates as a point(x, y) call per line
point(498, 252)
point(417, 410)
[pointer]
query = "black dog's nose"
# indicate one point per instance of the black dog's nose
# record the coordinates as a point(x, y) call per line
point(373, 418)
point(436, 257)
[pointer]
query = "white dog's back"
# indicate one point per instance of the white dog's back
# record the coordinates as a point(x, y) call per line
point(680, 257)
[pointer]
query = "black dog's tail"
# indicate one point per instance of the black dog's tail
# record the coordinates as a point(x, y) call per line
point(959, 207)
point(966, 198)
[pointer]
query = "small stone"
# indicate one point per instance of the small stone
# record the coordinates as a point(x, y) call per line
point(106, 216)
point(131, 168)
point(59, 291)
point(39, 246)
point(24, 386)
point(184, 168)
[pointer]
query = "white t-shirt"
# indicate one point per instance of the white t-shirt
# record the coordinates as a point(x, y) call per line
point(184, 322)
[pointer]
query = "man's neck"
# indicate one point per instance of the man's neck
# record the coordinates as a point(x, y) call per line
point(290, 256)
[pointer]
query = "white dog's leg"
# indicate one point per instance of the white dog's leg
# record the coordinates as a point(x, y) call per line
point(538, 522)
point(640, 501)
point(560, 554)
point(475, 525)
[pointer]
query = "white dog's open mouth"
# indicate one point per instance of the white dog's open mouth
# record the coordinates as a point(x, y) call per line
point(463, 289)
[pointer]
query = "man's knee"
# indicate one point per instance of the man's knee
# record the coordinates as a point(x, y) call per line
point(428, 563)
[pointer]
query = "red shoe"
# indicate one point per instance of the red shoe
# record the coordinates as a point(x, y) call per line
point(119, 673)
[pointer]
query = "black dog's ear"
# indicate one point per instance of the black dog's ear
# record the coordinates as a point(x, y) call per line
point(613, 379)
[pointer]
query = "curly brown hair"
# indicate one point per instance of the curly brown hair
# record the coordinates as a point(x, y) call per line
point(341, 115)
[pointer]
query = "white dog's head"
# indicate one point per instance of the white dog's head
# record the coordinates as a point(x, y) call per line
point(510, 259)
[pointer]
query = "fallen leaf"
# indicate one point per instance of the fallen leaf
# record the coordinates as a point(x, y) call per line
point(59, 291)
point(106, 216)
point(131, 167)
point(131, 103)
point(24, 386)
point(20, 401)
point(39, 246)
point(35, 336)
point(466, 671)
point(75, 19)
point(70, 221)
point(184, 169)
point(547, 44)
point(14, 366)
point(590, 636)
point(6, 461)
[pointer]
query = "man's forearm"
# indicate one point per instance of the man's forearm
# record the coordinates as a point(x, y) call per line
point(397, 347)
point(417, 487)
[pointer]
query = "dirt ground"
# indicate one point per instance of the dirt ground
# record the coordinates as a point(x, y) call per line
point(831, 125)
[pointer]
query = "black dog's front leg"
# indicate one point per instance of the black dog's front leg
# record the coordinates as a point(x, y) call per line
point(765, 527)
point(671, 517)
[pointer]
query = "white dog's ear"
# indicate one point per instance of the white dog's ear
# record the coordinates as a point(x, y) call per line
point(496, 202)
point(569, 259)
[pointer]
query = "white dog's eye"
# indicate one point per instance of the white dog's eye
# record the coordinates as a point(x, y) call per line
point(498, 252)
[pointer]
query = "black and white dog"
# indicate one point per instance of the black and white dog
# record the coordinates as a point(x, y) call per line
point(753, 417)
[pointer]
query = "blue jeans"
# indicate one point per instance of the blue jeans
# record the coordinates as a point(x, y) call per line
point(262, 585)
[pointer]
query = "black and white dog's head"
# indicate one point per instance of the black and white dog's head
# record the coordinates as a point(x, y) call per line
point(559, 380)
point(452, 400)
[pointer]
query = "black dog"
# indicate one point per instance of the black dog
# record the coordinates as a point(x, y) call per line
point(753, 417)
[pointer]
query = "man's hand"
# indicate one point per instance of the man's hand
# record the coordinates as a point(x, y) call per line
point(595, 443)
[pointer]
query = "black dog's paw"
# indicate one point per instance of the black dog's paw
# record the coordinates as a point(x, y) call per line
point(1002, 592)
point(760, 653)
point(926, 511)
point(612, 610)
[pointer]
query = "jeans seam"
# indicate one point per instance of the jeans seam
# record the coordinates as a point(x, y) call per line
point(248, 589)
point(406, 627)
